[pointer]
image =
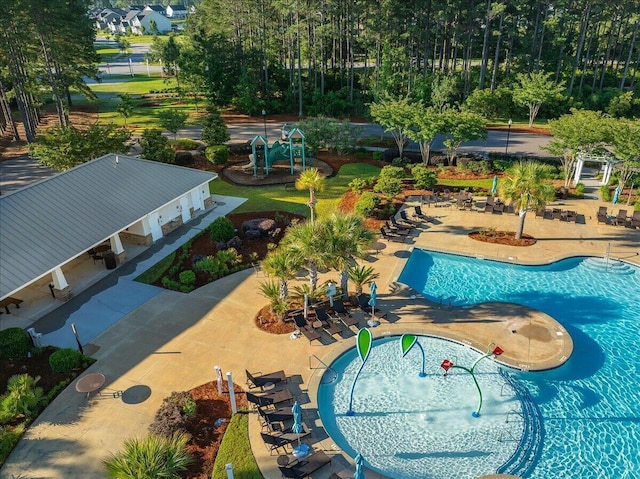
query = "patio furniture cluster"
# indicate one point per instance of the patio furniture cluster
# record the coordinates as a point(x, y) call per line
point(621, 219)
point(296, 459)
point(569, 216)
point(397, 230)
point(321, 319)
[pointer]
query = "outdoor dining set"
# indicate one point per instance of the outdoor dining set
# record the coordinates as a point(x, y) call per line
point(569, 216)
point(621, 219)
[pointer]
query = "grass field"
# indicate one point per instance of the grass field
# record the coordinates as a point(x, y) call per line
point(485, 183)
point(279, 197)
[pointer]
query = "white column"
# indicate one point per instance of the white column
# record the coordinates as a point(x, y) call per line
point(116, 244)
point(59, 281)
point(232, 394)
point(578, 172)
point(608, 168)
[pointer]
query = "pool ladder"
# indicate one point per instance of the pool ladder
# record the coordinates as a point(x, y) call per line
point(526, 454)
point(329, 376)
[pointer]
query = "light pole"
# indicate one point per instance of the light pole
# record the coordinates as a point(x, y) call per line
point(506, 148)
point(264, 122)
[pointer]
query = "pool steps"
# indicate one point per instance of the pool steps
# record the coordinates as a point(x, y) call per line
point(525, 456)
point(609, 265)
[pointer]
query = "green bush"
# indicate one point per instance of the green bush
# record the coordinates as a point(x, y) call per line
point(377, 155)
point(605, 192)
point(367, 203)
point(392, 172)
point(155, 146)
point(214, 129)
point(170, 284)
point(479, 167)
point(186, 144)
point(357, 185)
point(14, 343)
point(580, 189)
point(501, 165)
point(23, 398)
point(64, 360)
point(424, 178)
point(217, 154)
point(388, 186)
point(150, 458)
point(9, 437)
point(222, 230)
point(187, 278)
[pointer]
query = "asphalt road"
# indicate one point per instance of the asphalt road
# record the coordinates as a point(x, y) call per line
point(121, 65)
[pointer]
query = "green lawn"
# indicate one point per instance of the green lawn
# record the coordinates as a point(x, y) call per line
point(235, 449)
point(279, 197)
point(106, 54)
point(140, 84)
point(486, 183)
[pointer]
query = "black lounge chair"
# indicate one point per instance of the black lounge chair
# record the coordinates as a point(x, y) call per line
point(419, 214)
point(397, 226)
point(408, 221)
point(276, 441)
point(328, 323)
point(363, 302)
point(258, 380)
point(269, 399)
point(621, 218)
point(400, 231)
point(276, 415)
point(603, 217)
point(343, 315)
point(390, 236)
point(305, 466)
point(306, 330)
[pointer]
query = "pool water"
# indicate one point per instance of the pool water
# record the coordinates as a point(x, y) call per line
point(590, 406)
point(411, 427)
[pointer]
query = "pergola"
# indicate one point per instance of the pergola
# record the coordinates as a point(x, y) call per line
point(608, 160)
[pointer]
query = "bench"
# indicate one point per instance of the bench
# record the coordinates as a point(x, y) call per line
point(7, 301)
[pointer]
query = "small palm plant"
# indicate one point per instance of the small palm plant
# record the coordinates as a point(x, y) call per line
point(23, 397)
point(271, 290)
point(361, 275)
point(311, 179)
point(151, 457)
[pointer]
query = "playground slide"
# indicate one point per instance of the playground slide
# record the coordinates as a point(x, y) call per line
point(252, 162)
point(278, 152)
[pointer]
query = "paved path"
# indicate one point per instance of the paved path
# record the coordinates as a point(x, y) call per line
point(172, 342)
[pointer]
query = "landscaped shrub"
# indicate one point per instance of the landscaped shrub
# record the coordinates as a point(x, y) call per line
point(392, 172)
point(187, 278)
point(150, 458)
point(357, 185)
point(479, 167)
point(170, 284)
point(367, 203)
point(424, 178)
point(222, 229)
point(14, 343)
point(65, 360)
point(23, 398)
point(377, 155)
point(388, 186)
point(186, 144)
point(217, 154)
point(580, 189)
point(173, 414)
point(605, 192)
point(9, 437)
point(501, 165)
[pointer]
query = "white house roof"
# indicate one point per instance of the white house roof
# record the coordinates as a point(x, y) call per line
point(47, 223)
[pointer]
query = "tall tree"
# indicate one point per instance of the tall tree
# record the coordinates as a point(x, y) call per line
point(395, 116)
point(533, 90)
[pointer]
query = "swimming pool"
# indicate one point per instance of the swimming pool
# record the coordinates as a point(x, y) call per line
point(411, 427)
point(590, 406)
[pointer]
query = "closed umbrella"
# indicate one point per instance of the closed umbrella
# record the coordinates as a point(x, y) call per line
point(372, 298)
point(615, 195)
point(494, 186)
point(306, 306)
point(297, 418)
point(359, 474)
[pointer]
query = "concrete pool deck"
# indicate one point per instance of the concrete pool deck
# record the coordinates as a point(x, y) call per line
point(172, 342)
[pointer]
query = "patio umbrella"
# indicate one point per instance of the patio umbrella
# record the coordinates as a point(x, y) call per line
point(306, 306)
point(615, 195)
point(373, 297)
point(359, 474)
point(494, 186)
point(297, 418)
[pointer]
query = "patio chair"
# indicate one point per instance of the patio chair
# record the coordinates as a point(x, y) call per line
point(603, 216)
point(363, 302)
point(398, 230)
point(344, 315)
point(304, 328)
point(258, 380)
point(572, 216)
point(408, 221)
point(276, 441)
point(498, 207)
point(556, 214)
point(635, 219)
point(390, 236)
point(541, 213)
point(274, 419)
point(418, 214)
point(621, 218)
point(328, 323)
point(269, 399)
point(305, 466)
point(395, 225)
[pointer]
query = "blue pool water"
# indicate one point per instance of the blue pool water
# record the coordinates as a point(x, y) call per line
point(590, 406)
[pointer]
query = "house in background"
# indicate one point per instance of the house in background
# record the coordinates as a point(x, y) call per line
point(154, 8)
point(145, 17)
point(176, 12)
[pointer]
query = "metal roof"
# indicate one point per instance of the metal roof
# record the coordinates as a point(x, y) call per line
point(47, 223)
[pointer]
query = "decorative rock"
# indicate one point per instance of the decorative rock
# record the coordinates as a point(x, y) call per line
point(261, 224)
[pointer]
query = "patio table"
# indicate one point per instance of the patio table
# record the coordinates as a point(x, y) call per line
point(90, 383)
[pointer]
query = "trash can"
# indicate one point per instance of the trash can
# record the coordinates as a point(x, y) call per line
point(110, 260)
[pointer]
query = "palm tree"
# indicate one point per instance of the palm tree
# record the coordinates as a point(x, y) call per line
point(312, 180)
point(526, 186)
point(282, 265)
point(345, 238)
point(361, 275)
point(305, 243)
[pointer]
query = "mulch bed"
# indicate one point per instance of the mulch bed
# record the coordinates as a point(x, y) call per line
point(502, 237)
point(37, 365)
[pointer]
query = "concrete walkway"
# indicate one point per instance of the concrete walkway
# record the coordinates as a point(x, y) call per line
point(172, 342)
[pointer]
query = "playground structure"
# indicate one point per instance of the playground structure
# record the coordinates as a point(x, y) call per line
point(264, 157)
